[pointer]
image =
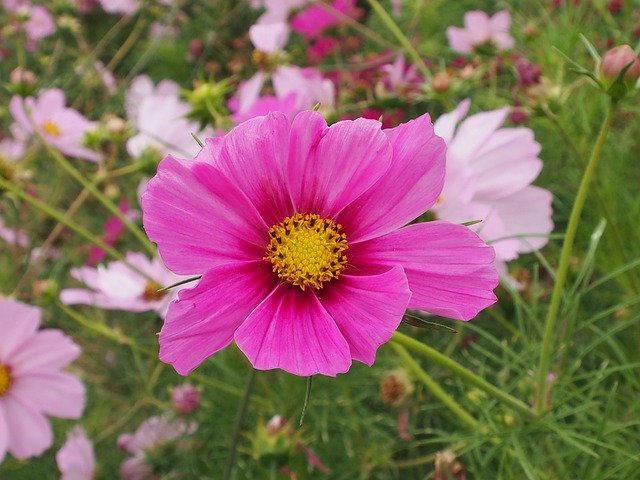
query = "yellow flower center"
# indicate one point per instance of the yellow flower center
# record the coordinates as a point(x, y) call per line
point(152, 292)
point(306, 250)
point(5, 379)
point(51, 128)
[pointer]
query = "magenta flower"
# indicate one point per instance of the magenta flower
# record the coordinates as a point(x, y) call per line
point(296, 228)
point(481, 30)
point(315, 19)
point(119, 287)
point(76, 459)
point(151, 434)
point(489, 175)
point(32, 385)
point(62, 127)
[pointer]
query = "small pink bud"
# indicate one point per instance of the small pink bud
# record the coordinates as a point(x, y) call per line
point(185, 399)
point(18, 76)
point(615, 60)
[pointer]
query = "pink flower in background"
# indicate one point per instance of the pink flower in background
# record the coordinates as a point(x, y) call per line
point(400, 77)
point(76, 459)
point(62, 127)
point(13, 236)
point(278, 10)
point(296, 89)
point(40, 24)
point(118, 287)
point(151, 434)
point(185, 399)
point(113, 230)
point(159, 116)
point(125, 7)
point(32, 385)
point(480, 30)
point(297, 230)
point(489, 175)
point(315, 19)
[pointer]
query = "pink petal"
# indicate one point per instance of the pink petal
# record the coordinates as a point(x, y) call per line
point(367, 309)
point(445, 125)
point(269, 37)
point(28, 430)
point(253, 157)
point(292, 331)
point(199, 219)
point(18, 323)
point(474, 132)
point(506, 163)
point(450, 269)
point(348, 158)
point(53, 393)
point(204, 319)
point(407, 190)
point(459, 40)
point(477, 25)
point(4, 434)
point(47, 350)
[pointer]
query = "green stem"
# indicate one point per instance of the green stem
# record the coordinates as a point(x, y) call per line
point(242, 412)
point(401, 37)
point(102, 198)
point(565, 255)
point(433, 386)
point(70, 224)
point(464, 373)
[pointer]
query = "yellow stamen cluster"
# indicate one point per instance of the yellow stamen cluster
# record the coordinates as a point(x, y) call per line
point(306, 250)
point(5, 380)
point(152, 292)
point(51, 128)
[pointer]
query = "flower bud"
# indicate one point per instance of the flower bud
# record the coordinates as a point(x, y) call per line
point(613, 64)
point(185, 399)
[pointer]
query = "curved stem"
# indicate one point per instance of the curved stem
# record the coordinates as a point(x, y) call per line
point(464, 373)
point(242, 412)
point(565, 254)
point(67, 222)
point(98, 195)
point(433, 386)
point(401, 37)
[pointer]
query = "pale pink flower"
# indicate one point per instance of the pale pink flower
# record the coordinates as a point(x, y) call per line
point(489, 175)
point(40, 24)
point(125, 7)
point(118, 287)
point(62, 127)
point(13, 236)
point(269, 38)
point(151, 434)
point(159, 116)
point(76, 459)
point(278, 10)
point(32, 385)
point(399, 77)
point(480, 30)
point(296, 228)
point(113, 230)
point(315, 19)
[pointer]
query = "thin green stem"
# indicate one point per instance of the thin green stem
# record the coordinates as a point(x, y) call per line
point(98, 195)
point(565, 255)
point(67, 222)
point(464, 373)
point(242, 412)
point(401, 37)
point(434, 387)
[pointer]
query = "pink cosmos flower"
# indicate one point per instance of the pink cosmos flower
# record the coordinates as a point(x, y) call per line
point(296, 230)
point(118, 287)
point(76, 459)
point(39, 25)
point(278, 10)
point(151, 434)
point(113, 230)
point(158, 114)
point(62, 127)
point(32, 385)
point(489, 175)
point(399, 77)
point(125, 7)
point(480, 30)
point(315, 19)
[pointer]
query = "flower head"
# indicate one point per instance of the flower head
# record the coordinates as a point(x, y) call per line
point(118, 286)
point(296, 228)
point(151, 446)
point(489, 175)
point(76, 459)
point(480, 31)
point(32, 385)
point(62, 127)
